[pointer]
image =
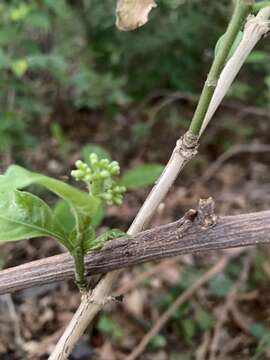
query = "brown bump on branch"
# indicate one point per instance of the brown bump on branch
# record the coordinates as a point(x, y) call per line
point(191, 215)
point(206, 216)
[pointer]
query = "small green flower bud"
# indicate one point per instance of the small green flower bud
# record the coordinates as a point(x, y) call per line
point(78, 163)
point(118, 201)
point(99, 179)
point(104, 174)
point(104, 162)
point(88, 177)
point(109, 196)
point(114, 168)
point(93, 159)
point(114, 164)
point(95, 176)
point(77, 174)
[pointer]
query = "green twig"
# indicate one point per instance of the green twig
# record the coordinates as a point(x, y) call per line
point(78, 256)
point(260, 5)
point(242, 9)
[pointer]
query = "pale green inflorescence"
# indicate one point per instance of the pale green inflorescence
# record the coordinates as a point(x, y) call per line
point(98, 176)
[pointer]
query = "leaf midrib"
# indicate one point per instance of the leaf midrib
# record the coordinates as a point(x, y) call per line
point(35, 227)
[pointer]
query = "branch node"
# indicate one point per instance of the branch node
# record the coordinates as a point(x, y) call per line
point(88, 298)
point(187, 145)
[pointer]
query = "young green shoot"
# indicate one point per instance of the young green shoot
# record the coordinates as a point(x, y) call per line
point(24, 215)
point(99, 180)
point(241, 11)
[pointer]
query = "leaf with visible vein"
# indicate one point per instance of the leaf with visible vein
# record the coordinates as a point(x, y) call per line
point(25, 216)
point(16, 177)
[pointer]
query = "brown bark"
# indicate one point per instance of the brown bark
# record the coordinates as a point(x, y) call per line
point(197, 231)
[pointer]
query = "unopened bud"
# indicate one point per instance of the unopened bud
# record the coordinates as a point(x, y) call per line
point(104, 174)
point(93, 158)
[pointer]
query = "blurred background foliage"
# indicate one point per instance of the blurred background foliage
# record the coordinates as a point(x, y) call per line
point(69, 52)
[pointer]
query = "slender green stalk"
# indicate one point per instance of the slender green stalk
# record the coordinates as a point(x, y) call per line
point(260, 5)
point(78, 256)
point(242, 9)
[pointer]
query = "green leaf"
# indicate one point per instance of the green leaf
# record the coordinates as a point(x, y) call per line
point(109, 326)
point(88, 238)
point(20, 12)
point(257, 57)
point(220, 285)
point(66, 218)
point(235, 45)
point(54, 63)
point(158, 342)
point(141, 176)
point(98, 217)
point(8, 36)
point(99, 241)
point(93, 148)
point(19, 67)
point(4, 60)
point(17, 177)
point(263, 345)
point(63, 215)
point(189, 275)
point(25, 216)
point(189, 328)
point(59, 7)
point(204, 320)
point(39, 20)
point(258, 330)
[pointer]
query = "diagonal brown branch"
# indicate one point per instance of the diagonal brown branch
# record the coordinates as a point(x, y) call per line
point(197, 231)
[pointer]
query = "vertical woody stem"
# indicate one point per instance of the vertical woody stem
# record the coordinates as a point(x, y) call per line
point(185, 150)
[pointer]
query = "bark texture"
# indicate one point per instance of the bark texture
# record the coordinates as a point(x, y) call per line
point(199, 230)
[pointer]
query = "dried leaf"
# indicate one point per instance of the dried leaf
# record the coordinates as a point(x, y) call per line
point(134, 302)
point(131, 14)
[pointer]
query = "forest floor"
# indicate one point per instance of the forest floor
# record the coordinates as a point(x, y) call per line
point(228, 317)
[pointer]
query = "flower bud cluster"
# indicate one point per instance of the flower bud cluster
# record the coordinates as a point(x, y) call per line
point(99, 178)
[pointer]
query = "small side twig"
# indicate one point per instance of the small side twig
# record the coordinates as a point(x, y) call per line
point(234, 151)
point(201, 352)
point(15, 321)
point(230, 300)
